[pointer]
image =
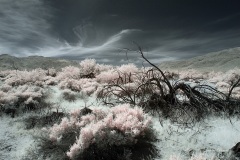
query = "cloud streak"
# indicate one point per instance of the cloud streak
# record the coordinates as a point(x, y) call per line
point(24, 26)
point(101, 30)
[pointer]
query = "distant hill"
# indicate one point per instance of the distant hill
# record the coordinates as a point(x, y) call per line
point(33, 62)
point(216, 61)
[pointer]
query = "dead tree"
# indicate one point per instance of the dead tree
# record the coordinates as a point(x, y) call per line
point(155, 93)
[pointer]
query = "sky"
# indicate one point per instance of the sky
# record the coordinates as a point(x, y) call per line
point(104, 29)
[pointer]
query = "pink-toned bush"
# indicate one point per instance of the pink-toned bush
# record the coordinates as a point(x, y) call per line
point(26, 94)
point(214, 77)
point(120, 125)
point(88, 86)
point(69, 83)
point(70, 77)
point(29, 94)
point(51, 72)
point(127, 68)
point(130, 86)
point(107, 76)
point(102, 67)
point(224, 81)
point(87, 66)
point(51, 81)
point(192, 74)
point(127, 72)
point(5, 87)
point(37, 77)
point(6, 98)
point(222, 84)
point(69, 72)
point(5, 73)
point(69, 95)
point(230, 76)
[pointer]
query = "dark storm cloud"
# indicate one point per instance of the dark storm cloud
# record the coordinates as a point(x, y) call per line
point(150, 14)
point(176, 28)
point(100, 29)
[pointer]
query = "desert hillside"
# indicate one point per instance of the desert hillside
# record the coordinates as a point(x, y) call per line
point(216, 61)
point(32, 62)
